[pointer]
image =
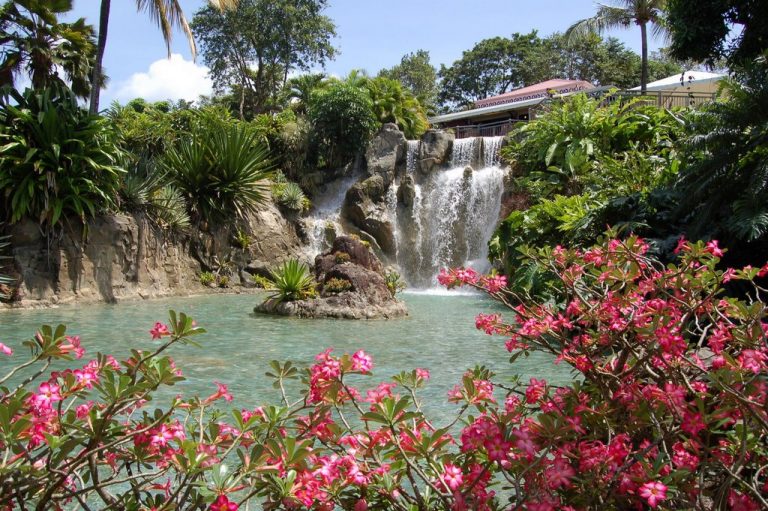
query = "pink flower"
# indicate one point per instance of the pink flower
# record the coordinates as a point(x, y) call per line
point(653, 492)
point(535, 391)
point(495, 283)
point(159, 330)
point(713, 249)
point(452, 476)
point(362, 362)
point(5, 350)
point(222, 503)
point(47, 394)
point(73, 345)
point(422, 374)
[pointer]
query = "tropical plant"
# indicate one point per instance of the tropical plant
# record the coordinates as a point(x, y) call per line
point(291, 281)
point(419, 76)
point(624, 14)
point(56, 159)
point(395, 283)
point(242, 239)
point(298, 90)
point(167, 14)
point(723, 189)
point(168, 209)
point(392, 103)
point(261, 281)
point(291, 196)
point(221, 171)
point(335, 285)
point(34, 42)
point(208, 278)
point(5, 279)
point(343, 122)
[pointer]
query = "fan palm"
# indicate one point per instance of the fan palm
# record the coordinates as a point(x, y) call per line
point(623, 15)
point(167, 14)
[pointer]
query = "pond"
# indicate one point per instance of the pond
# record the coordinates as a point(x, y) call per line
point(439, 335)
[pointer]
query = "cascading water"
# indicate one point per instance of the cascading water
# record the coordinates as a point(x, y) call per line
point(412, 151)
point(453, 214)
point(324, 216)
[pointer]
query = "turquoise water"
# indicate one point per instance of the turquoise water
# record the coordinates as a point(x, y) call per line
point(438, 335)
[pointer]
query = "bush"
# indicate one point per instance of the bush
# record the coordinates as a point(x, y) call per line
point(291, 196)
point(292, 281)
point(394, 282)
point(242, 239)
point(261, 281)
point(668, 410)
point(334, 285)
point(208, 278)
point(393, 103)
point(56, 159)
point(341, 257)
point(343, 122)
point(222, 172)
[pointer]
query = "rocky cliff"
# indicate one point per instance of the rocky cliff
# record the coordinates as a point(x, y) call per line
point(121, 257)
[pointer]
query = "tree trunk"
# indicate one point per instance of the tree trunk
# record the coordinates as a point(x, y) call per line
point(644, 65)
point(96, 78)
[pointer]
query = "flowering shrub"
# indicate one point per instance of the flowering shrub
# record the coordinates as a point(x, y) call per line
point(668, 411)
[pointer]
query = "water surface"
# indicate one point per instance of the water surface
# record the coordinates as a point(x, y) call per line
point(438, 335)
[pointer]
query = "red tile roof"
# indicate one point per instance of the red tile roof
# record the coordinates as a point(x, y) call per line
point(538, 90)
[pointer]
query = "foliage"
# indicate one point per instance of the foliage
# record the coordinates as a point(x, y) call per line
point(334, 285)
point(392, 103)
point(668, 410)
point(255, 46)
point(168, 209)
point(242, 239)
point(713, 29)
point(207, 278)
point(493, 66)
point(56, 160)
point(417, 74)
point(298, 90)
point(35, 43)
point(624, 14)
point(498, 65)
point(261, 282)
point(291, 281)
point(602, 62)
point(341, 257)
point(291, 196)
point(581, 165)
point(394, 282)
point(723, 189)
point(152, 129)
point(222, 173)
point(342, 121)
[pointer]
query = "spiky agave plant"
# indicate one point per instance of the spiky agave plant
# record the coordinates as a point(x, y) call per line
point(222, 172)
point(291, 281)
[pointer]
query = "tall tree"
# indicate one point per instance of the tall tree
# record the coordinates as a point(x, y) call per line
point(256, 46)
point(709, 30)
point(623, 15)
point(167, 14)
point(33, 41)
point(493, 66)
point(418, 75)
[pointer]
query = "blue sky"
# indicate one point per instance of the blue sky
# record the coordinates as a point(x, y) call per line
point(372, 34)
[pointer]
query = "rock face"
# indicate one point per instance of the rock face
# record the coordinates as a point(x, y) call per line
point(386, 152)
point(365, 207)
point(126, 257)
point(367, 297)
point(435, 150)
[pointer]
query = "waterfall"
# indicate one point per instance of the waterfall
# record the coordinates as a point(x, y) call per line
point(464, 151)
point(453, 214)
point(491, 146)
point(324, 216)
point(410, 155)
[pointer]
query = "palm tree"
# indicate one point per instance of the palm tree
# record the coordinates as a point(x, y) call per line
point(623, 15)
point(167, 14)
point(32, 40)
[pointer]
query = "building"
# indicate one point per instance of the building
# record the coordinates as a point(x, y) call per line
point(495, 115)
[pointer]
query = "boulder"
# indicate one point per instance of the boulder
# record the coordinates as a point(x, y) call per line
point(365, 208)
point(406, 192)
point(434, 150)
point(385, 152)
point(367, 298)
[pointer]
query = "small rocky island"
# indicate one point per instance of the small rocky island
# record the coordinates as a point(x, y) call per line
point(351, 285)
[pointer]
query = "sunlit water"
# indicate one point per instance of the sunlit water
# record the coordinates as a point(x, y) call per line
point(438, 335)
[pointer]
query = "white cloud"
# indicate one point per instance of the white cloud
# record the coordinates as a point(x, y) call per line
point(174, 78)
